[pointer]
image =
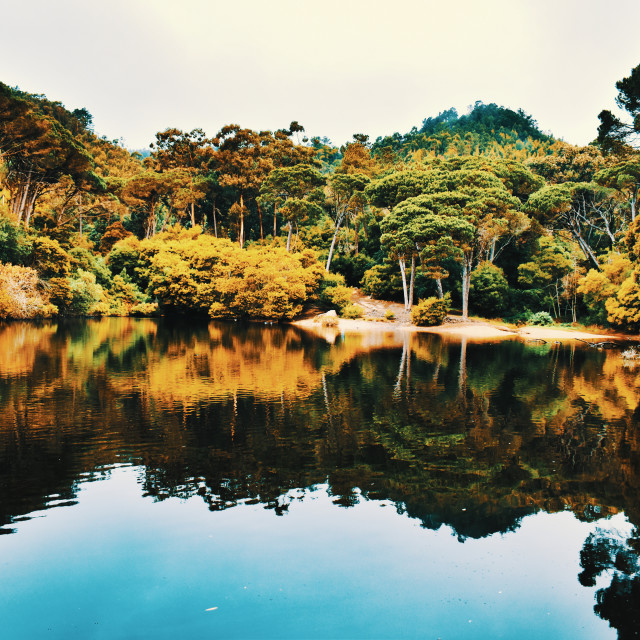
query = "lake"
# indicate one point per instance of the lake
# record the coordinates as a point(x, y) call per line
point(166, 479)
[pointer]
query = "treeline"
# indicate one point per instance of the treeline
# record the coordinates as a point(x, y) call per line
point(501, 220)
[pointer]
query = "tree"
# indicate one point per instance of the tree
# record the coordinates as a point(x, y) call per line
point(243, 160)
point(297, 191)
point(37, 150)
point(433, 226)
point(471, 207)
point(348, 196)
point(392, 189)
point(146, 191)
point(586, 210)
point(356, 157)
point(569, 164)
point(624, 177)
point(188, 154)
point(613, 133)
point(490, 289)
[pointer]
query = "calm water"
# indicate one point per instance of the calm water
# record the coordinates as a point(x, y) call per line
point(217, 481)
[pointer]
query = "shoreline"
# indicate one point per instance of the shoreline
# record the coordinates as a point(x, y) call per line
point(477, 330)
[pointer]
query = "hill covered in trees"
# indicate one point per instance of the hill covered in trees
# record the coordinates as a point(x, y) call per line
point(486, 130)
point(483, 212)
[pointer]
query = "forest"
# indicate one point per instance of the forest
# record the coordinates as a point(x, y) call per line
point(481, 213)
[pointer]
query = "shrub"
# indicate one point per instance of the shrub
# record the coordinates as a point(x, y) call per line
point(144, 309)
point(60, 293)
point(50, 259)
point(89, 298)
point(623, 309)
point(352, 311)
point(14, 244)
point(82, 258)
point(113, 234)
point(381, 282)
point(489, 290)
point(389, 315)
point(333, 292)
point(429, 312)
point(20, 296)
point(329, 321)
point(352, 268)
point(597, 287)
point(542, 319)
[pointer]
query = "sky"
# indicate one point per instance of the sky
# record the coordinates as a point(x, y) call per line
point(338, 67)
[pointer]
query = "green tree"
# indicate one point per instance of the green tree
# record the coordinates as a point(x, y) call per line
point(489, 289)
point(347, 195)
point(613, 133)
point(624, 177)
point(587, 211)
point(297, 192)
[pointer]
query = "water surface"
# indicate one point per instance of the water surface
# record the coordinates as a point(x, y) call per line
point(167, 480)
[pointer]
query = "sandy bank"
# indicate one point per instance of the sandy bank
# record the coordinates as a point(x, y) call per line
point(474, 330)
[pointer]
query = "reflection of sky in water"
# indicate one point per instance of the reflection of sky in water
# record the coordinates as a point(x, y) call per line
point(117, 565)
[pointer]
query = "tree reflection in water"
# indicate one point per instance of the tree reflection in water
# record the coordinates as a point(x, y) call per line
point(473, 435)
point(619, 603)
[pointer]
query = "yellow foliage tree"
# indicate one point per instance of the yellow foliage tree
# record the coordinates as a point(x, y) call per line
point(20, 294)
point(597, 287)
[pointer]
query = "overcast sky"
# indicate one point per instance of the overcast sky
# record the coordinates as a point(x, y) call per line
point(337, 66)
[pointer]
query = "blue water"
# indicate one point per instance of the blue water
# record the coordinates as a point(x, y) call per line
point(168, 482)
point(118, 565)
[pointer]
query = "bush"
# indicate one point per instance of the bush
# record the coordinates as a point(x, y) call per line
point(329, 321)
point(88, 297)
point(113, 234)
point(82, 258)
point(623, 309)
point(389, 315)
point(352, 311)
point(542, 319)
point(50, 259)
point(333, 292)
point(20, 295)
point(429, 312)
point(14, 244)
point(381, 282)
point(489, 290)
point(352, 268)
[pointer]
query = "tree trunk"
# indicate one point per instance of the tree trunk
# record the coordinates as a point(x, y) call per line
point(260, 218)
point(20, 208)
point(166, 220)
point(31, 205)
point(215, 220)
point(241, 234)
point(289, 237)
point(412, 281)
point(193, 215)
point(355, 228)
point(586, 249)
point(403, 271)
point(333, 242)
point(439, 288)
point(275, 229)
point(467, 261)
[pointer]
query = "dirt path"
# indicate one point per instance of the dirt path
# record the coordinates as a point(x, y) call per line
point(378, 308)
